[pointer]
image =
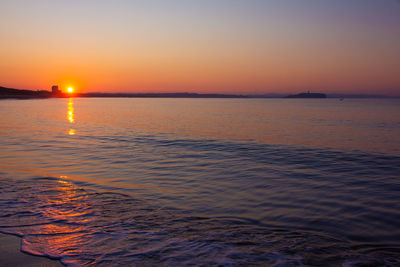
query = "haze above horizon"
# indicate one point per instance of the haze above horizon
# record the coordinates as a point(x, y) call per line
point(240, 47)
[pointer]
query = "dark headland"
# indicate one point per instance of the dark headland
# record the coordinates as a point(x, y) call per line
point(23, 94)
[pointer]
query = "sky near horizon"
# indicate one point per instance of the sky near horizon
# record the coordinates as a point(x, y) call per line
point(220, 46)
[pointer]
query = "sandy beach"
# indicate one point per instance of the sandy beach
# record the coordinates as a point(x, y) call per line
point(11, 255)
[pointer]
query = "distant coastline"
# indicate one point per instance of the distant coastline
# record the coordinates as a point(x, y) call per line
point(12, 93)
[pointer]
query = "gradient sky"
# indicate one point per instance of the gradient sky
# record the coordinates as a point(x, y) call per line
point(222, 46)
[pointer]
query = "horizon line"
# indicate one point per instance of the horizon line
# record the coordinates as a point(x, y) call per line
point(272, 94)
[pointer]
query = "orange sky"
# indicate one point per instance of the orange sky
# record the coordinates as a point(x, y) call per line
point(202, 46)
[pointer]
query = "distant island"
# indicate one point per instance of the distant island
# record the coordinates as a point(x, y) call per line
point(307, 95)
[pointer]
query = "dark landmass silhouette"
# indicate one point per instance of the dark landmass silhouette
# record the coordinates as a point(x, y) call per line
point(23, 94)
point(165, 95)
point(38, 94)
point(29, 94)
point(307, 95)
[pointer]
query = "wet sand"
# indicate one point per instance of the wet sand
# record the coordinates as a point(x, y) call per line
point(11, 255)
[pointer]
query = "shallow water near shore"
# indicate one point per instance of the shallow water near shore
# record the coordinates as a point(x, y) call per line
point(203, 181)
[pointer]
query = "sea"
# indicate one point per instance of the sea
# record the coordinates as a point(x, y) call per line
point(202, 181)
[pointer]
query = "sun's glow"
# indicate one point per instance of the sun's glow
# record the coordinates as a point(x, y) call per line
point(70, 90)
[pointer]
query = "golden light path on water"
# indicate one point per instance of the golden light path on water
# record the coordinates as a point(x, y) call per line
point(70, 115)
point(66, 215)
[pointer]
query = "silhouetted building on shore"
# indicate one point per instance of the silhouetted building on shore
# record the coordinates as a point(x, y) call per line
point(55, 90)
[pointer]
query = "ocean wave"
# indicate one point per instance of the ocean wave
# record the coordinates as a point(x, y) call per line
point(81, 226)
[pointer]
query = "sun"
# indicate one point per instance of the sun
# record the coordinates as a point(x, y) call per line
point(70, 90)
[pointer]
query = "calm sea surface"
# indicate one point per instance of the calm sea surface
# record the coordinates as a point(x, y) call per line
point(150, 182)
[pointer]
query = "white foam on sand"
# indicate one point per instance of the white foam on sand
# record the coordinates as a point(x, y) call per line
point(11, 255)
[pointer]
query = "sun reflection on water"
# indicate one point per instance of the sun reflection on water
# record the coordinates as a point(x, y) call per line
point(68, 202)
point(71, 115)
point(66, 211)
point(71, 111)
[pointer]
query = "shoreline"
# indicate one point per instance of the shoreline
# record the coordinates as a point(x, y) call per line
point(11, 254)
